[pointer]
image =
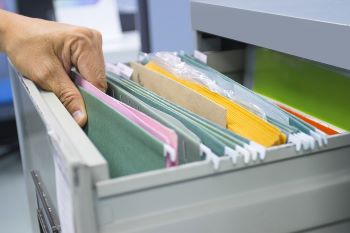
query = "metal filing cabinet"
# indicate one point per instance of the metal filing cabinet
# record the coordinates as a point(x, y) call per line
point(289, 191)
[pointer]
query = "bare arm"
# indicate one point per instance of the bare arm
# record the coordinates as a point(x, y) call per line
point(45, 51)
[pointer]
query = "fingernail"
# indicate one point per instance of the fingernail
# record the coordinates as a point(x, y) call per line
point(78, 115)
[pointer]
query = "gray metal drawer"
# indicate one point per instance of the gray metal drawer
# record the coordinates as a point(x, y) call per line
point(287, 192)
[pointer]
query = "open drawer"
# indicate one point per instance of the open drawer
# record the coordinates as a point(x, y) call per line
point(289, 191)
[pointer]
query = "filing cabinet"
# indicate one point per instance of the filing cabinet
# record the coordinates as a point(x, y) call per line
point(289, 191)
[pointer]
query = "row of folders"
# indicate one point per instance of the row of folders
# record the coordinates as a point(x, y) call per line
point(170, 109)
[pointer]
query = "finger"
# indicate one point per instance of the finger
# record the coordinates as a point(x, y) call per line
point(69, 95)
point(91, 64)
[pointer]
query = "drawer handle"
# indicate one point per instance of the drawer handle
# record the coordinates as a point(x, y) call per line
point(46, 213)
point(42, 223)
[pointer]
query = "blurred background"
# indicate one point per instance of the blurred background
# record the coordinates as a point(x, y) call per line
point(127, 27)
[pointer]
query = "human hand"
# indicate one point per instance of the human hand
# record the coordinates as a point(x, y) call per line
point(45, 51)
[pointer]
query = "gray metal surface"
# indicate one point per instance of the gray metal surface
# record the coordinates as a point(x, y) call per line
point(47, 131)
point(226, 61)
point(288, 192)
point(34, 145)
point(338, 227)
point(14, 214)
point(197, 170)
point(314, 29)
point(290, 195)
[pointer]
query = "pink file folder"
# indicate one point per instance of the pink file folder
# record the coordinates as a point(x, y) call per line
point(153, 127)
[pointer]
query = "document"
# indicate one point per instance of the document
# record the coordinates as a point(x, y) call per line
point(179, 94)
point(238, 119)
point(150, 125)
point(127, 147)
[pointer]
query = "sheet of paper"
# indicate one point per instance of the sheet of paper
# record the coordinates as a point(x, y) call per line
point(179, 94)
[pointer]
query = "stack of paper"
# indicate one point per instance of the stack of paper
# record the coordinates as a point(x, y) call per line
point(238, 119)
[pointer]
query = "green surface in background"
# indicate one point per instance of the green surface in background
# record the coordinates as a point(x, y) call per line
point(313, 88)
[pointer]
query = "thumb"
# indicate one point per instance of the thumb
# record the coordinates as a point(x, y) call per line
point(70, 96)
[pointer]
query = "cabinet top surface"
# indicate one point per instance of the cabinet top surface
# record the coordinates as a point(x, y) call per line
point(317, 30)
point(330, 11)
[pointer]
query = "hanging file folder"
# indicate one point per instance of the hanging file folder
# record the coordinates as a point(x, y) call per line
point(219, 140)
point(306, 135)
point(188, 142)
point(139, 143)
point(179, 94)
point(239, 120)
point(127, 148)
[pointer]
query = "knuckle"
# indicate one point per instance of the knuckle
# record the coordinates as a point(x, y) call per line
point(82, 35)
point(67, 96)
point(85, 32)
point(100, 80)
point(98, 35)
point(44, 74)
point(85, 39)
point(103, 84)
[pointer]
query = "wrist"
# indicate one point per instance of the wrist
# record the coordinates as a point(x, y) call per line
point(3, 30)
point(8, 24)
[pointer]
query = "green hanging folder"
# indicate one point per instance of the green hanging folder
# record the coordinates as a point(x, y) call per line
point(157, 102)
point(127, 148)
point(189, 143)
point(218, 139)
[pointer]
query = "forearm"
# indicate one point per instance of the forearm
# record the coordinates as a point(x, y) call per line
point(45, 51)
point(4, 27)
point(8, 24)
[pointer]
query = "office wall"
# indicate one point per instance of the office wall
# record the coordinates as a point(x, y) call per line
point(170, 25)
point(5, 92)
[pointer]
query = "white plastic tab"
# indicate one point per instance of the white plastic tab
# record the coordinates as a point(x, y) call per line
point(317, 137)
point(210, 156)
point(313, 140)
point(323, 136)
point(112, 68)
point(125, 71)
point(293, 138)
point(308, 142)
point(200, 56)
point(243, 152)
point(169, 151)
point(232, 154)
point(120, 69)
point(253, 153)
point(304, 141)
point(261, 150)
